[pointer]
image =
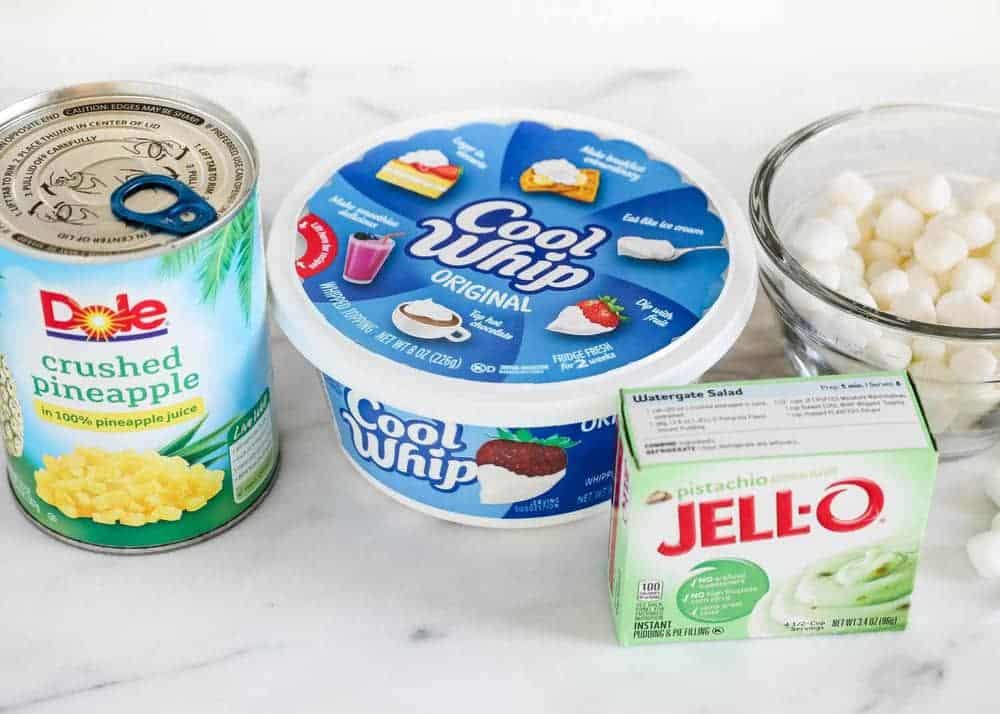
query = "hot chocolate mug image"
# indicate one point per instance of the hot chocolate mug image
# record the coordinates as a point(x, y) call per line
point(429, 321)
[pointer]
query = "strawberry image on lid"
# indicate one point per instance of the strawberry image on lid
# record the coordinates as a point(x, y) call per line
point(589, 317)
point(517, 466)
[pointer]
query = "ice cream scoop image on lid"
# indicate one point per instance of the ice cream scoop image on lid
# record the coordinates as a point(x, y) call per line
point(870, 582)
point(427, 172)
point(517, 466)
point(428, 320)
point(563, 177)
point(659, 249)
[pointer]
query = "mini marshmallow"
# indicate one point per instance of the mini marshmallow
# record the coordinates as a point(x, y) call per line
point(879, 250)
point(850, 334)
point(825, 272)
point(851, 263)
point(914, 304)
point(939, 252)
point(888, 353)
point(975, 227)
point(899, 223)
point(846, 220)
point(973, 364)
point(940, 414)
point(818, 239)
point(866, 224)
point(888, 285)
point(877, 267)
point(974, 275)
point(860, 295)
point(929, 195)
point(927, 348)
point(984, 553)
point(804, 303)
point(922, 279)
point(995, 253)
point(933, 374)
point(986, 194)
point(964, 309)
point(991, 484)
point(851, 190)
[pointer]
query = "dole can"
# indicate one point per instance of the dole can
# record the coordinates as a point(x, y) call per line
point(135, 396)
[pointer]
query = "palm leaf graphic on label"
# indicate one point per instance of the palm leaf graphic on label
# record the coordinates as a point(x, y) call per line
point(226, 252)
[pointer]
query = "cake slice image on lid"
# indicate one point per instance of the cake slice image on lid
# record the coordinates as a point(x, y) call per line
point(427, 172)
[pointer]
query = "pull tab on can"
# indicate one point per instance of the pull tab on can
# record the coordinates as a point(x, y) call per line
point(188, 214)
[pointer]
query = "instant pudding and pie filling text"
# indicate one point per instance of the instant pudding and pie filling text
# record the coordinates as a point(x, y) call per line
point(134, 367)
point(475, 288)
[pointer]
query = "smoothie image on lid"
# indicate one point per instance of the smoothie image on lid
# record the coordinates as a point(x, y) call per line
point(135, 397)
point(472, 373)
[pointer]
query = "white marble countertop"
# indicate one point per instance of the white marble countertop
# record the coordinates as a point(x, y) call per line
point(332, 598)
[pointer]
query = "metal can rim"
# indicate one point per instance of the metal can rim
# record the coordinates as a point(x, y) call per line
point(141, 90)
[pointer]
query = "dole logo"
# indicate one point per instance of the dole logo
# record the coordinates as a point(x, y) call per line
point(727, 521)
point(66, 319)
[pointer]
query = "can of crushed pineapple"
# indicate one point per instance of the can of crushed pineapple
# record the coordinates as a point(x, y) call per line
point(135, 400)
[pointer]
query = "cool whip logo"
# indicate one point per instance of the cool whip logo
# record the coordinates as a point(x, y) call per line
point(418, 448)
point(727, 521)
point(498, 236)
point(66, 319)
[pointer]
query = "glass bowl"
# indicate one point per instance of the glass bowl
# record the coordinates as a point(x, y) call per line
point(825, 332)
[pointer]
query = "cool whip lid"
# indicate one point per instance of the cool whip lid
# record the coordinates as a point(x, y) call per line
point(510, 266)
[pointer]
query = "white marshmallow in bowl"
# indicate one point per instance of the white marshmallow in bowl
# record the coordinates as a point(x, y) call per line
point(913, 304)
point(986, 194)
point(929, 349)
point(929, 195)
point(846, 220)
point(826, 272)
point(984, 553)
point(973, 364)
point(940, 251)
point(992, 486)
point(852, 190)
point(899, 223)
point(851, 265)
point(888, 353)
point(976, 228)
point(888, 285)
point(965, 309)
point(922, 279)
point(974, 275)
point(880, 250)
point(818, 239)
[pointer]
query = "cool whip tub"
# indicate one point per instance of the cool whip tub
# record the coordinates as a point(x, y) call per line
point(134, 363)
point(471, 351)
point(769, 508)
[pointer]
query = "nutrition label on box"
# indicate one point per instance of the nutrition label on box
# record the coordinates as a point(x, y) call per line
point(774, 418)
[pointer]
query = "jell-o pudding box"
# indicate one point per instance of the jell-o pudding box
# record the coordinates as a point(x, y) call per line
point(768, 508)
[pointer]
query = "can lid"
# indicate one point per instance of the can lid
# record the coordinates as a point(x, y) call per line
point(510, 266)
point(63, 155)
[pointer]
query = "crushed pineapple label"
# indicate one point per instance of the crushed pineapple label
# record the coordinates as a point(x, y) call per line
point(135, 403)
